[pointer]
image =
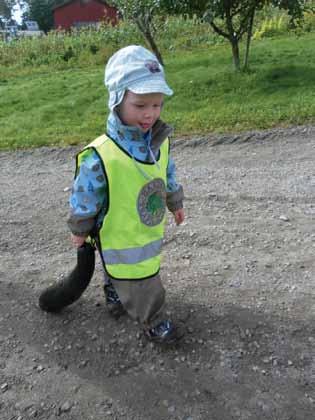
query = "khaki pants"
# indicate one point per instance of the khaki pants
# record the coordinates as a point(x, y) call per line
point(142, 299)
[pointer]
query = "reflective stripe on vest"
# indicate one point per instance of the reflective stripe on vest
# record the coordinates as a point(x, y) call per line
point(133, 228)
point(133, 255)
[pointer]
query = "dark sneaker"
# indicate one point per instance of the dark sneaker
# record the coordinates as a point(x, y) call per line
point(164, 332)
point(111, 295)
point(113, 302)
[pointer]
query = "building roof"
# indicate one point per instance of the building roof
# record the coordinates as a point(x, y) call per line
point(65, 2)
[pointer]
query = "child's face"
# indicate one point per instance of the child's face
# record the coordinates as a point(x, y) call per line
point(141, 111)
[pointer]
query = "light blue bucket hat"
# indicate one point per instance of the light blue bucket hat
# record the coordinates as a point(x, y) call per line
point(136, 69)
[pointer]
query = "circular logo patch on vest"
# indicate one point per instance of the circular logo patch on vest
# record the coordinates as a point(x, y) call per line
point(151, 202)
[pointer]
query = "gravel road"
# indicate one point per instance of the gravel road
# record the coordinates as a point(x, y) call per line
point(239, 274)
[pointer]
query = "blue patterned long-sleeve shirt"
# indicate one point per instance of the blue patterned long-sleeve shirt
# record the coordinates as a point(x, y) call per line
point(89, 196)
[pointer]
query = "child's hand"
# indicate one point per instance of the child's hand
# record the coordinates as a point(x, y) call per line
point(179, 216)
point(77, 240)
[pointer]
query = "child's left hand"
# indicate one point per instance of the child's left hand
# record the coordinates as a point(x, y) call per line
point(179, 216)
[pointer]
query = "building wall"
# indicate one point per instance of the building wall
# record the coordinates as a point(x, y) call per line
point(81, 12)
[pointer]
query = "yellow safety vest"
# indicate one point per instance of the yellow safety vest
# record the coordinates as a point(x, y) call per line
point(132, 232)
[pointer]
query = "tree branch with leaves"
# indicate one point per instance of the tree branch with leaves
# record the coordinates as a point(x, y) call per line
point(142, 12)
point(6, 8)
point(232, 19)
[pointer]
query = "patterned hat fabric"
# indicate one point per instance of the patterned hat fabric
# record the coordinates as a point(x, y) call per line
point(136, 69)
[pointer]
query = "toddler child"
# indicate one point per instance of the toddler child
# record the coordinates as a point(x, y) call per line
point(123, 182)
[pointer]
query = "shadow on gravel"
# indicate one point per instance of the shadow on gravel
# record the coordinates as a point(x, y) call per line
point(227, 366)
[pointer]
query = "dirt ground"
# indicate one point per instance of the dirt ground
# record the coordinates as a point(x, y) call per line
point(239, 274)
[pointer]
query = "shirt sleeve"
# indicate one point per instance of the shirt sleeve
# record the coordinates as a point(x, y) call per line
point(174, 191)
point(89, 194)
point(172, 185)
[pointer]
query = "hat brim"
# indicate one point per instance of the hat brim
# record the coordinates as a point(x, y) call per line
point(150, 86)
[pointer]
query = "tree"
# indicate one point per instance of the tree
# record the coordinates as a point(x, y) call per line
point(233, 19)
point(6, 8)
point(42, 12)
point(141, 12)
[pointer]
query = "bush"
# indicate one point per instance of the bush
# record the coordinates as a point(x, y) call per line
point(60, 48)
point(271, 27)
point(180, 32)
point(88, 46)
point(272, 23)
point(308, 24)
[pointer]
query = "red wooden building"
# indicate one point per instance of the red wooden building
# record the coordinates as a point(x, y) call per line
point(78, 13)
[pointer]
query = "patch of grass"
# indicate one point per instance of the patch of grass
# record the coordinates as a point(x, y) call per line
point(278, 89)
point(58, 108)
point(49, 107)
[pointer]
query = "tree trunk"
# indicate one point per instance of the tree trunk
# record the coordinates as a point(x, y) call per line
point(150, 40)
point(233, 40)
point(249, 38)
point(154, 47)
point(236, 53)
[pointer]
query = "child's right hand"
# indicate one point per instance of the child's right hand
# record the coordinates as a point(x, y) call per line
point(77, 240)
point(179, 216)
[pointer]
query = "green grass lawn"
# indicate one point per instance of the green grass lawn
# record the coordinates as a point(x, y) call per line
point(49, 107)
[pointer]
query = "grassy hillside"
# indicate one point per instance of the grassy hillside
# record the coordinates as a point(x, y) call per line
point(65, 103)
